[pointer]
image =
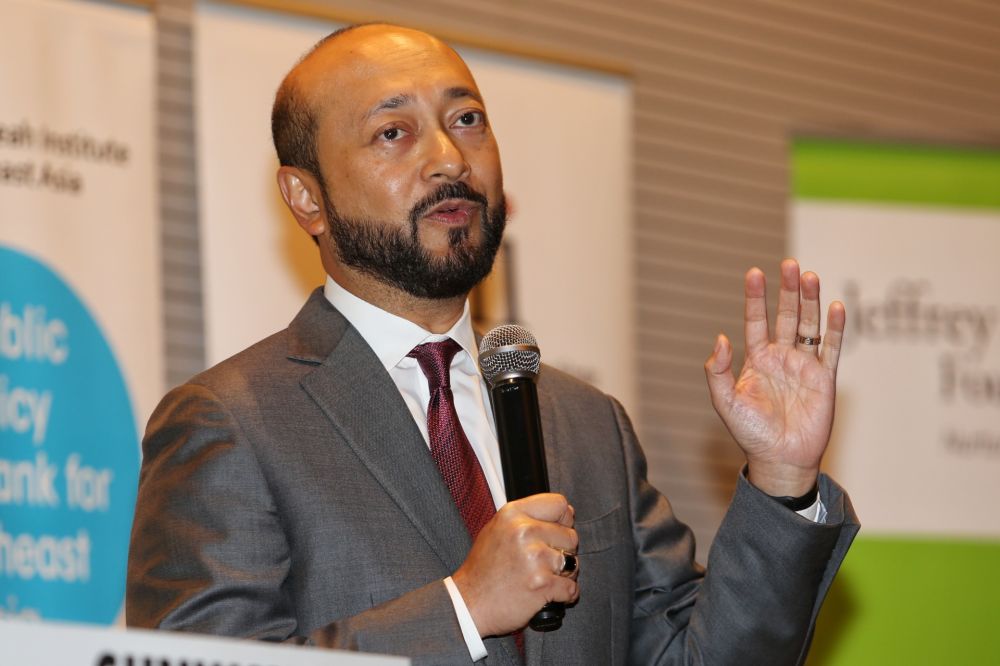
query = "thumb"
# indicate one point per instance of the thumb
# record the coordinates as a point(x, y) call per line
point(719, 373)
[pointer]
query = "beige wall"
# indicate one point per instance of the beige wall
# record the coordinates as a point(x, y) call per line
point(720, 86)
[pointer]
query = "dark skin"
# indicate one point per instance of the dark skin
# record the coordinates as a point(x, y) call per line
point(399, 113)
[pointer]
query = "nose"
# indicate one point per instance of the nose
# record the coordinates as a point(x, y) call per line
point(445, 160)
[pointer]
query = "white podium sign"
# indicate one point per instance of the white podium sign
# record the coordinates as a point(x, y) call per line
point(50, 644)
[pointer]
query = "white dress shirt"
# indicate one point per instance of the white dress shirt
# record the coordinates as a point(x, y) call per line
point(392, 338)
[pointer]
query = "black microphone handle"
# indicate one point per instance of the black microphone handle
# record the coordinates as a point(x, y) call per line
point(522, 454)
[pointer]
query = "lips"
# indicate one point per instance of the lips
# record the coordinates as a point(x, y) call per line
point(454, 212)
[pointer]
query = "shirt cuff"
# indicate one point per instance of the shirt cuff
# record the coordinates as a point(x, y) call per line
point(473, 641)
point(816, 512)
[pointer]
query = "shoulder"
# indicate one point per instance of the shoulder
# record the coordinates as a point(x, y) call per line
point(210, 398)
point(250, 367)
point(281, 358)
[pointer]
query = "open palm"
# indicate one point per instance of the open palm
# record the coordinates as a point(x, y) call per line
point(780, 409)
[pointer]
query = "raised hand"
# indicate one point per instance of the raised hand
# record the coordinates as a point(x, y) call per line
point(780, 409)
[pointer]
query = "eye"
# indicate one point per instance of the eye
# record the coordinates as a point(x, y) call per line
point(392, 133)
point(471, 119)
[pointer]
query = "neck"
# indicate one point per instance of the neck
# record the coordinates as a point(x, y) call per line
point(432, 314)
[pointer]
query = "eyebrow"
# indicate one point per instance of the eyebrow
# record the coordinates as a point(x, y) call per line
point(459, 92)
point(397, 101)
point(393, 102)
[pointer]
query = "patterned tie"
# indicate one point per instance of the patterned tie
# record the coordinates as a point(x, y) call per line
point(450, 447)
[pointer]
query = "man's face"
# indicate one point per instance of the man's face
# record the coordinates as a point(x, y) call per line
point(410, 170)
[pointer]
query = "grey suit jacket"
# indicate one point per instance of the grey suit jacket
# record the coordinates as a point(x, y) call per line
point(287, 494)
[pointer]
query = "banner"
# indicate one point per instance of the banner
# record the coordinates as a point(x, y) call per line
point(80, 341)
point(907, 236)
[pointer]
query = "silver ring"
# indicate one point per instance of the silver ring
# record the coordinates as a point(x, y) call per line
point(571, 563)
point(803, 340)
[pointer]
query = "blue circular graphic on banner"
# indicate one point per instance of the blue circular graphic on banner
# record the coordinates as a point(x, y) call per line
point(69, 453)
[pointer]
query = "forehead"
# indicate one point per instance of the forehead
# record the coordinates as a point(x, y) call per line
point(357, 70)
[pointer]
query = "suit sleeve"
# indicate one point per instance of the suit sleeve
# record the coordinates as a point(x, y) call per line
point(768, 572)
point(208, 552)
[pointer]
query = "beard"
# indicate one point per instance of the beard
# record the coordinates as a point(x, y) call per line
point(394, 256)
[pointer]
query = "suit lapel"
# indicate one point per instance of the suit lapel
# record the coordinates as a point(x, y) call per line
point(363, 404)
point(361, 400)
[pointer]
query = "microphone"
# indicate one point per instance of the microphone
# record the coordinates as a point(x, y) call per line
point(509, 360)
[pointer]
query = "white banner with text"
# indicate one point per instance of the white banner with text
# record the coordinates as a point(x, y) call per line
point(80, 341)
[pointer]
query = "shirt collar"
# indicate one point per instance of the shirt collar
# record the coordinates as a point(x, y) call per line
point(392, 337)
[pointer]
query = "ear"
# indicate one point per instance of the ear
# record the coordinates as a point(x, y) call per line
point(302, 194)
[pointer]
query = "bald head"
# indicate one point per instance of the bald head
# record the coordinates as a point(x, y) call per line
point(389, 161)
point(294, 116)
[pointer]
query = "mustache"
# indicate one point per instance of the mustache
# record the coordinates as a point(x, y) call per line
point(458, 190)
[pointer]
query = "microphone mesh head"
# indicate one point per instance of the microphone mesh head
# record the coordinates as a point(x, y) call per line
point(508, 349)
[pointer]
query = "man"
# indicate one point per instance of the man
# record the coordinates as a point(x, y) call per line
point(298, 491)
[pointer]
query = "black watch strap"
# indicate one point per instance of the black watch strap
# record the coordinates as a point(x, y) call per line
point(798, 503)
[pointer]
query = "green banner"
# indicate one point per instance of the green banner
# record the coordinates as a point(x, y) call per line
point(901, 173)
point(910, 601)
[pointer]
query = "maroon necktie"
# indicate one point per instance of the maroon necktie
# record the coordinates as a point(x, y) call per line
point(450, 447)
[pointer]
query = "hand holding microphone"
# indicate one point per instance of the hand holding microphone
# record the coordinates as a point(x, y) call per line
point(513, 567)
point(509, 359)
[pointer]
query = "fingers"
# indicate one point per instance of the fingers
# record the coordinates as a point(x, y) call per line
point(786, 326)
point(546, 519)
point(516, 563)
point(549, 507)
point(550, 575)
point(719, 373)
point(555, 537)
point(808, 325)
point(558, 588)
point(553, 576)
point(798, 308)
point(755, 311)
point(836, 318)
point(568, 518)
